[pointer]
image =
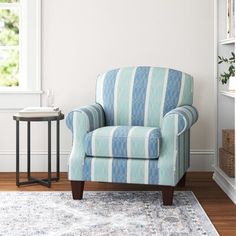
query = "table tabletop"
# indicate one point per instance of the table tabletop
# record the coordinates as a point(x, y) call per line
point(18, 117)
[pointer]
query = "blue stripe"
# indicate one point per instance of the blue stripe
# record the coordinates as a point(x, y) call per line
point(187, 118)
point(88, 144)
point(90, 117)
point(193, 113)
point(99, 113)
point(87, 169)
point(69, 120)
point(119, 170)
point(185, 151)
point(119, 141)
point(179, 157)
point(153, 172)
point(152, 143)
point(181, 124)
point(182, 117)
point(188, 147)
point(108, 96)
point(139, 95)
point(172, 90)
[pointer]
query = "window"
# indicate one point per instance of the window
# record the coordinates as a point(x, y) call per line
point(9, 42)
point(20, 53)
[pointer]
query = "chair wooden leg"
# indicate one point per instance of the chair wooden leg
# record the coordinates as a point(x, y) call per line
point(167, 195)
point(77, 188)
point(182, 181)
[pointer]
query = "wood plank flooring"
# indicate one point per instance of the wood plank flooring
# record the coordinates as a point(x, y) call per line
point(220, 209)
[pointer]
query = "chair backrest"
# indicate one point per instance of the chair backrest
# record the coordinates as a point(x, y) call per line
point(141, 96)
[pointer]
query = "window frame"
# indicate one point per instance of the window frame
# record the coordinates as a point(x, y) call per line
point(28, 93)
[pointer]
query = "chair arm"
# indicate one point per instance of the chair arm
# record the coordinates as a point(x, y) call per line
point(173, 160)
point(91, 115)
point(81, 121)
point(186, 116)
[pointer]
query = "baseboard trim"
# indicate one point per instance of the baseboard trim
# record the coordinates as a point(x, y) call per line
point(202, 152)
point(39, 161)
point(201, 160)
point(225, 185)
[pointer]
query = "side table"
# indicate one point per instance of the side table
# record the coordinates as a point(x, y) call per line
point(46, 182)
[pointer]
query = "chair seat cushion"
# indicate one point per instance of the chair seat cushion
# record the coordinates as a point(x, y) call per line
point(123, 142)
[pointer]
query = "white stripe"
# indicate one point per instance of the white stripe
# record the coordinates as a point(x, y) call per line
point(94, 143)
point(110, 139)
point(163, 96)
point(129, 151)
point(146, 143)
point(115, 96)
point(175, 143)
point(110, 169)
point(131, 96)
point(148, 96)
point(128, 170)
point(146, 162)
point(181, 90)
point(110, 154)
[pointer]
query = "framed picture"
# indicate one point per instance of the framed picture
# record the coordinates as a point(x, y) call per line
point(230, 18)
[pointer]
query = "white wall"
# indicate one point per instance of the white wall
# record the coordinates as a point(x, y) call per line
point(83, 38)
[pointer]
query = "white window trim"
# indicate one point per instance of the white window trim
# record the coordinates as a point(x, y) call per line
point(14, 98)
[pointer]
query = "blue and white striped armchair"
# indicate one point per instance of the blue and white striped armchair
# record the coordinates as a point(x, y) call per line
point(136, 132)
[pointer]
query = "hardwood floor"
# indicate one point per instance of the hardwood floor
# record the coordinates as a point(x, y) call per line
point(215, 202)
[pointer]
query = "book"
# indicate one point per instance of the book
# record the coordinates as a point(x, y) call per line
point(39, 112)
point(40, 109)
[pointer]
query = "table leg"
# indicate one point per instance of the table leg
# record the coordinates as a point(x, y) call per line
point(28, 150)
point(58, 150)
point(17, 152)
point(49, 154)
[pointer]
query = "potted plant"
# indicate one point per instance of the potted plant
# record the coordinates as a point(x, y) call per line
point(230, 74)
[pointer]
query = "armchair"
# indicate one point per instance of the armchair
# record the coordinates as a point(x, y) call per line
point(138, 131)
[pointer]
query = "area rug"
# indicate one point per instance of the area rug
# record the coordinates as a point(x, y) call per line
point(101, 213)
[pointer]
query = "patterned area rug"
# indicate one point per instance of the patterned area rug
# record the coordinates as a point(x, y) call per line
point(101, 213)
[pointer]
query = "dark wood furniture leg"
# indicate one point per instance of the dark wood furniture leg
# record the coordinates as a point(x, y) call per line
point(182, 181)
point(77, 188)
point(167, 195)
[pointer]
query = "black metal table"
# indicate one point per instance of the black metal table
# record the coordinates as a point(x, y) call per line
point(46, 182)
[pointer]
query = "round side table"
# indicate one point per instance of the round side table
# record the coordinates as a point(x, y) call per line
point(46, 182)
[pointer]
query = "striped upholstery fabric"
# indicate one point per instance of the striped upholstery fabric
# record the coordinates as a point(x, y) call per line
point(121, 170)
point(187, 115)
point(139, 129)
point(123, 142)
point(94, 115)
point(141, 96)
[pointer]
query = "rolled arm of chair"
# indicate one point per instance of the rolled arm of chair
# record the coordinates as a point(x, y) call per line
point(92, 116)
point(186, 115)
point(175, 125)
point(81, 121)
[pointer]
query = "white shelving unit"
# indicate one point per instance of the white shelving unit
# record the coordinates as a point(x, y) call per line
point(228, 94)
point(225, 100)
point(227, 41)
